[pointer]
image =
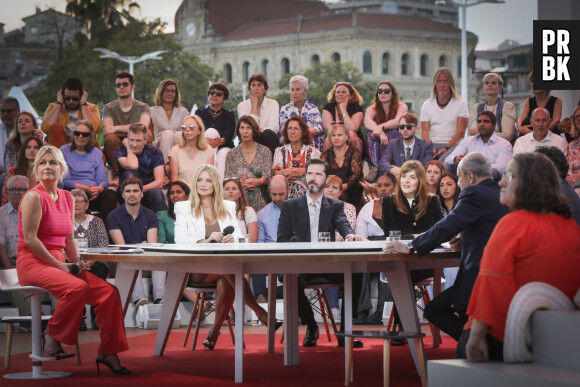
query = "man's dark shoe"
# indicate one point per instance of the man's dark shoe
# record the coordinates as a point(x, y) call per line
point(375, 319)
point(310, 338)
point(357, 343)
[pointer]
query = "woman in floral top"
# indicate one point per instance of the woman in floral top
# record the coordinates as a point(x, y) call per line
point(251, 163)
point(299, 106)
point(290, 159)
point(574, 149)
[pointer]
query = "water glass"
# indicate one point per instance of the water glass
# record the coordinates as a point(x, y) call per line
point(394, 236)
point(82, 244)
point(323, 237)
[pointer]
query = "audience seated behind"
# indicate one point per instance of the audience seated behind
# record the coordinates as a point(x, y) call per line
point(71, 106)
point(343, 108)
point(26, 126)
point(299, 106)
point(222, 120)
point(247, 218)
point(433, 171)
point(86, 170)
point(406, 147)
point(250, 162)
point(167, 117)
point(574, 148)
point(382, 121)
point(540, 134)
point(291, 158)
point(9, 110)
point(24, 165)
point(178, 191)
point(192, 151)
point(263, 110)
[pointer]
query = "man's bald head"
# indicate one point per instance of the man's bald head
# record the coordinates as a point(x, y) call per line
point(278, 189)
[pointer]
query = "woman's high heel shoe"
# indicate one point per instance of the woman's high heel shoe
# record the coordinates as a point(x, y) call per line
point(57, 353)
point(119, 371)
point(209, 344)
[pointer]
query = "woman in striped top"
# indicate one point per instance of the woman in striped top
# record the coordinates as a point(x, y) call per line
point(45, 228)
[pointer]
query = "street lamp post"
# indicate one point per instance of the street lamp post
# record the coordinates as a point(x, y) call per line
point(129, 59)
point(463, 4)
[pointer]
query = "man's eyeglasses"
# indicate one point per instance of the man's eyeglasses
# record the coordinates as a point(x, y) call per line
point(81, 134)
point(9, 111)
point(68, 98)
point(408, 126)
point(191, 126)
point(337, 122)
point(575, 118)
point(215, 92)
point(386, 91)
point(18, 190)
point(124, 84)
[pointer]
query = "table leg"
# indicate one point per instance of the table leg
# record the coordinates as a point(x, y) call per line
point(125, 281)
point(176, 282)
point(436, 290)
point(239, 308)
point(404, 296)
point(271, 310)
point(347, 305)
point(290, 319)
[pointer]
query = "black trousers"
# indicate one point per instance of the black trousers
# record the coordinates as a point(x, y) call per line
point(305, 310)
point(441, 313)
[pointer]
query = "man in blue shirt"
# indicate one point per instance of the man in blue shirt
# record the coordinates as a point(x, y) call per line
point(133, 223)
point(268, 228)
point(136, 158)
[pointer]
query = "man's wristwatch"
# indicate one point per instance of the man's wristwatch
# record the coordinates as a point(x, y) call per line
point(410, 247)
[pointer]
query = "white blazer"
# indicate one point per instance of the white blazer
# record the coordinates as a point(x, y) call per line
point(190, 230)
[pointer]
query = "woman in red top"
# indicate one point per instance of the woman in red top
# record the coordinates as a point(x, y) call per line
point(45, 228)
point(538, 241)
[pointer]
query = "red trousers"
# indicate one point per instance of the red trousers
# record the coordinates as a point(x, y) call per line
point(73, 292)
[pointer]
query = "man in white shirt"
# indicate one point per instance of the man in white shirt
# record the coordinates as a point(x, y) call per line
point(540, 135)
point(9, 109)
point(495, 148)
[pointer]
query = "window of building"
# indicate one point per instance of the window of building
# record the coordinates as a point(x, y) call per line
point(405, 64)
point(314, 60)
point(424, 62)
point(459, 67)
point(265, 68)
point(285, 64)
point(442, 61)
point(246, 71)
point(336, 57)
point(228, 72)
point(385, 63)
point(367, 62)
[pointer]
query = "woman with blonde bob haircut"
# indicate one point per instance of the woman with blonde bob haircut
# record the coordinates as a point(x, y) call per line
point(167, 116)
point(203, 219)
point(192, 151)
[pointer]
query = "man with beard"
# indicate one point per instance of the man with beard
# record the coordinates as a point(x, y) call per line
point(71, 106)
point(407, 147)
point(119, 114)
point(301, 219)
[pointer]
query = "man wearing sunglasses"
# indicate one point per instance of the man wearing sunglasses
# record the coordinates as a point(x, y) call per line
point(119, 114)
point(71, 106)
point(406, 147)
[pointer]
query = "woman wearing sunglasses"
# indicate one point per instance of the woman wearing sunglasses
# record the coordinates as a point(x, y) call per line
point(191, 152)
point(222, 120)
point(167, 116)
point(86, 170)
point(382, 120)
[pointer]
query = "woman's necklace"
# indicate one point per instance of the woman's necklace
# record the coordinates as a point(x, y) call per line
point(297, 153)
point(337, 155)
point(215, 113)
point(249, 149)
point(54, 196)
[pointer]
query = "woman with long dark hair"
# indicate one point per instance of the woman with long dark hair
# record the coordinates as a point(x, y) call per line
point(23, 165)
point(448, 192)
point(178, 192)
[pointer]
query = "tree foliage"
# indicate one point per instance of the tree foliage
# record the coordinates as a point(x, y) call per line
point(97, 74)
point(322, 78)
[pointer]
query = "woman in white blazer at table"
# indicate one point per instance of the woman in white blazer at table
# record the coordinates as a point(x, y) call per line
point(202, 219)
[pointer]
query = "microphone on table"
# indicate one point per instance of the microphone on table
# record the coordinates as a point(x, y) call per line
point(74, 268)
point(294, 238)
point(227, 231)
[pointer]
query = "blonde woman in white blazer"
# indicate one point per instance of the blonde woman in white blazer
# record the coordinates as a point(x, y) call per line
point(201, 219)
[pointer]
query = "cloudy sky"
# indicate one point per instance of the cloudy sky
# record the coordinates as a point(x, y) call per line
point(493, 23)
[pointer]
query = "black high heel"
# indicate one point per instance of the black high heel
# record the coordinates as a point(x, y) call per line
point(208, 343)
point(58, 354)
point(120, 371)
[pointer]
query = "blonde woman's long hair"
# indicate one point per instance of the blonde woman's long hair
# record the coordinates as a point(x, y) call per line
point(219, 206)
point(201, 142)
point(422, 194)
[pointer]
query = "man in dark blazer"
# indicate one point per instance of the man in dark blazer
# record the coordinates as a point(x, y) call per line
point(475, 215)
point(301, 219)
point(407, 147)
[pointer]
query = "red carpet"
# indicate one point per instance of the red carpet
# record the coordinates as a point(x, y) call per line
point(320, 366)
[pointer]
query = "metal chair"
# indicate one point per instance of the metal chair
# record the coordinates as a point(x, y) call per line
point(202, 308)
point(9, 283)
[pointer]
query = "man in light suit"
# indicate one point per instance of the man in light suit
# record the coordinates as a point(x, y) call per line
point(301, 219)
point(474, 216)
point(407, 147)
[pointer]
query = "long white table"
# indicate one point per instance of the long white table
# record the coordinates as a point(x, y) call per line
point(286, 258)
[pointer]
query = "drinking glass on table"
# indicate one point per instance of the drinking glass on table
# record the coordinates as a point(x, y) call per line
point(323, 237)
point(82, 243)
point(394, 236)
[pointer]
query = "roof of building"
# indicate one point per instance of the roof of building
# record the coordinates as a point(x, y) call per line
point(330, 22)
